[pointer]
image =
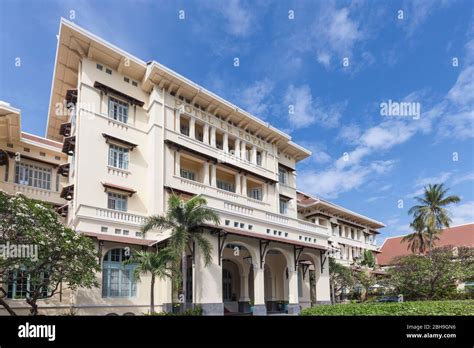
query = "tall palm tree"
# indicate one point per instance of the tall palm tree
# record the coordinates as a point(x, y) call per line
point(430, 214)
point(185, 220)
point(419, 240)
point(154, 263)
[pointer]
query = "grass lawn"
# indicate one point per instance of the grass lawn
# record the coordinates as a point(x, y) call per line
point(464, 307)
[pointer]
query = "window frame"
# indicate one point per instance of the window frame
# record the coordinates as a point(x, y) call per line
point(33, 175)
point(123, 274)
point(115, 197)
point(119, 157)
point(122, 112)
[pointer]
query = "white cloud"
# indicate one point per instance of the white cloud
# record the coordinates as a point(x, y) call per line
point(255, 98)
point(309, 111)
point(463, 178)
point(240, 20)
point(334, 181)
point(462, 213)
point(416, 13)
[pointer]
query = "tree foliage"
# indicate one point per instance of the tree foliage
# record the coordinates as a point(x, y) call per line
point(420, 277)
point(65, 259)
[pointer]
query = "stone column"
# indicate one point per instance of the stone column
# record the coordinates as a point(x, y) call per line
point(237, 148)
point(259, 291)
point(205, 138)
point(253, 157)
point(225, 144)
point(209, 281)
point(243, 150)
point(237, 184)
point(178, 122)
point(293, 306)
point(177, 163)
point(206, 173)
point(213, 175)
point(244, 185)
point(323, 293)
point(192, 132)
point(213, 136)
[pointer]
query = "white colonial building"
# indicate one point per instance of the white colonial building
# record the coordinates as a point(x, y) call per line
point(122, 135)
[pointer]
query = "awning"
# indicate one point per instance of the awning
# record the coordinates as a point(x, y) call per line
point(128, 144)
point(63, 210)
point(120, 239)
point(119, 188)
point(266, 237)
point(71, 96)
point(107, 89)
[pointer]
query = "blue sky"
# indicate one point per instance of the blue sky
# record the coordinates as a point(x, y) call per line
point(362, 160)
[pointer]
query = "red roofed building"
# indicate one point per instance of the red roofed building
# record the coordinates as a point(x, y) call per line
point(393, 247)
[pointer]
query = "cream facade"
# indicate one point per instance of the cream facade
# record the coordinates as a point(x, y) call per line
point(131, 133)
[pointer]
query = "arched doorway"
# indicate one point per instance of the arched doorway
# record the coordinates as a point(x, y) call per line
point(237, 279)
point(276, 279)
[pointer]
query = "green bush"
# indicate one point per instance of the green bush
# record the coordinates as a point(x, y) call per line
point(455, 308)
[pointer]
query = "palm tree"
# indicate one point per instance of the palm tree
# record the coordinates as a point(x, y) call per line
point(430, 214)
point(154, 263)
point(185, 220)
point(419, 240)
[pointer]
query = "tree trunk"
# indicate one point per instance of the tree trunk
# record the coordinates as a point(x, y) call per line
point(184, 274)
point(7, 307)
point(152, 295)
point(34, 306)
point(333, 293)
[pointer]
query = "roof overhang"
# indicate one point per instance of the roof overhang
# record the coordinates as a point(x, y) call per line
point(10, 123)
point(344, 215)
point(76, 43)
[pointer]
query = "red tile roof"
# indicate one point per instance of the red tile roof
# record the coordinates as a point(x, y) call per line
point(393, 247)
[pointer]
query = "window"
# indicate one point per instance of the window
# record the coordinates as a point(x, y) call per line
point(32, 175)
point(256, 193)
point(126, 232)
point(117, 201)
point(282, 176)
point(118, 231)
point(187, 174)
point(118, 157)
point(117, 278)
point(108, 71)
point(20, 284)
point(100, 67)
point(138, 234)
point(126, 79)
point(283, 206)
point(104, 229)
point(184, 130)
point(135, 83)
point(259, 158)
point(118, 110)
point(225, 186)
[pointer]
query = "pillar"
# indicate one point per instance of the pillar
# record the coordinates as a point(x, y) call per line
point(323, 293)
point(206, 173)
point(192, 132)
point(213, 175)
point(209, 280)
point(244, 185)
point(243, 150)
point(293, 305)
point(177, 163)
point(237, 148)
point(259, 307)
point(264, 192)
point(237, 184)
point(205, 138)
point(225, 144)
point(178, 122)
point(253, 157)
point(213, 136)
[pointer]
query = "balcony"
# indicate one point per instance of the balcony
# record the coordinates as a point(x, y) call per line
point(216, 154)
point(33, 192)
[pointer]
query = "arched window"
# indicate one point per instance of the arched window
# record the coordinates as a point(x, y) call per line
point(117, 278)
point(226, 285)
